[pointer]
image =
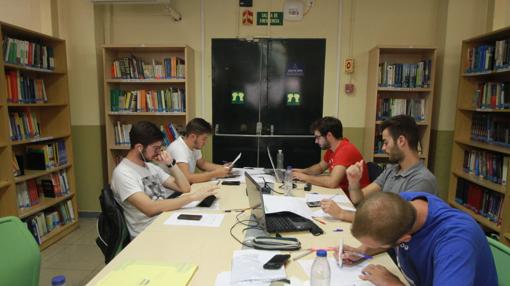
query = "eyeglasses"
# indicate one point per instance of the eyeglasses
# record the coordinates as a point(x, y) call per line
point(157, 148)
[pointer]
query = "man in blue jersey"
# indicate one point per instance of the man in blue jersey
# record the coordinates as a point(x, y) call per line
point(435, 244)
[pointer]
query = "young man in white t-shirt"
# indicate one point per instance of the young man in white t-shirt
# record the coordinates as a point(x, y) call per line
point(187, 152)
point(142, 188)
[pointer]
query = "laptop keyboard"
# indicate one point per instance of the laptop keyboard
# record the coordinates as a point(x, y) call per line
point(276, 223)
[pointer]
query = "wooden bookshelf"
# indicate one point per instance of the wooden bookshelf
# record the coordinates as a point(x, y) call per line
point(146, 53)
point(55, 125)
point(469, 87)
point(375, 91)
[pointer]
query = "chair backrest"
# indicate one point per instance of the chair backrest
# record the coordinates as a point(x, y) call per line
point(374, 171)
point(501, 254)
point(20, 260)
point(113, 234)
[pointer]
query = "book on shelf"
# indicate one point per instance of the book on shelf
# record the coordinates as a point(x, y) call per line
point(480, 200)
point(479, 59)
point(164, 100)
point(169, 131)
point(486, 165)
point(22, 88)
point(491, 128)
point(50, 186)
point(502, 54)
point(133, 67)
point(400, 75)
point(24, 125)
point(46, 156)
point(492, 95)
point(17, 168)
point(389, 107)
point(48, 220)
point(28, 53)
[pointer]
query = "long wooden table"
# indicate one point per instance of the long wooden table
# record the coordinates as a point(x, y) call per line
point(212, 248)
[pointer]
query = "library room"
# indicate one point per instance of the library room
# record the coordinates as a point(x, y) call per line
point(254, 142)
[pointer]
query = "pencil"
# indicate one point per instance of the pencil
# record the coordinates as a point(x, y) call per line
point(302, 255)
point(319, 220)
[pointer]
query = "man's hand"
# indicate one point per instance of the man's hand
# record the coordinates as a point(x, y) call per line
point(349, 255)
point(354, 173)
point(331, 207)
point(379, 275)
point(200, 194)
point(299, 175)
point(221, 172)
point(164, 157)
point(295, 170)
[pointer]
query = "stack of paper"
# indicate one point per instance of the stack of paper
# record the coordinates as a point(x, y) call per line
point(341, 200)
point(247, 267)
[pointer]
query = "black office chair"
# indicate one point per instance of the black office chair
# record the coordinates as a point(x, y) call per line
point(113, 234)
point(374, 171)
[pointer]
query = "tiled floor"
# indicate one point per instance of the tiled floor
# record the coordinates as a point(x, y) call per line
point(76, 256)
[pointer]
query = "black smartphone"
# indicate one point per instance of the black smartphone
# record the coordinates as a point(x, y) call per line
point(277, 261)
point(314, 204)
point(189, 217)
point(231, 183)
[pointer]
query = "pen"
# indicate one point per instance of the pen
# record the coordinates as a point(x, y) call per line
point(340, 251)
point(302, 255)
point(219, 182)
point(319, 220)
point(361, 255)
point(338, 230)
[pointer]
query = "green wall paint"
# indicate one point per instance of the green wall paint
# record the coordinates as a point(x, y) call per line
point(440, 158)
point(90, 165)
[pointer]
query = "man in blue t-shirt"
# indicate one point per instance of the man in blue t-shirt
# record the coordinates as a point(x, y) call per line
point(435, 244)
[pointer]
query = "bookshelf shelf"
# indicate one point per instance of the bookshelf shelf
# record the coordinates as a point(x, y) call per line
point(419, 93)
point(482, 182)
point(474, 89)
point(482, 220)
point(136, 61)
point(43, 204)
point(53, 118)
point(32, 174)
point(507, 235)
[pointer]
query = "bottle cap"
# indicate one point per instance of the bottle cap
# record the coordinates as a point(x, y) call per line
point(280, 151)
point(322, 253)
point(58, 280)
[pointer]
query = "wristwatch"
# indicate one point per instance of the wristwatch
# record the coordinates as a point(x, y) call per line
point(171, 164)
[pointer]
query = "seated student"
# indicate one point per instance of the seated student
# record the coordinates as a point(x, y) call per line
point(339, 156)
point(187, 152)
point(141, 187)
point(406, 174)
point(435, 243)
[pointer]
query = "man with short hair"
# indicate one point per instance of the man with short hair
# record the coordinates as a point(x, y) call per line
point(405, 173)
point(187, 152)
point(142, 188)
point(435, 243)
point(340, 154)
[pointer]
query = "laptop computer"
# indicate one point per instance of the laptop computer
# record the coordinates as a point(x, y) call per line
point(275, 222)
point(278, 174)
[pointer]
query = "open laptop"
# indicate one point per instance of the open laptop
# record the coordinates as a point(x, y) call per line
point(278, 174)
point(275, 222)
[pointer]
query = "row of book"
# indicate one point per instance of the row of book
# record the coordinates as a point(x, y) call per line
point(135, 68)
point(405, 75)
point(44, 222)
point(492, 95)
point(502, 54)
point(23, 125)
point(50, 186)
point(480, 59)
point(493, 129)
point(28, 53)
point(169, 131)
point(487, 165)
point(388, 107)
point(46, 156)
point(22, 88)
point(480, 200)
point(164, 100)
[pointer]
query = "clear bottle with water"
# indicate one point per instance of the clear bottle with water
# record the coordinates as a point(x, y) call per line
point(287, 181)
point(279, 160)
point(321, 273)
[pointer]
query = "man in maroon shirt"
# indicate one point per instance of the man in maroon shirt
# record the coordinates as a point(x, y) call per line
point(340, 154)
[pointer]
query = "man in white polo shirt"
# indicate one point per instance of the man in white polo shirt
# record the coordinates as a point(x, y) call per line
point(186, 150)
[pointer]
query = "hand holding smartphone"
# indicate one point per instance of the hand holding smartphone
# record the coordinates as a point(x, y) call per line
point(277, 261)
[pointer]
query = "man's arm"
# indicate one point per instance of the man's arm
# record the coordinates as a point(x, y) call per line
point(177, 181)
point(332, 180)
point(203, 176)
point(358, 195)
point(204, 165)
point(313, 170)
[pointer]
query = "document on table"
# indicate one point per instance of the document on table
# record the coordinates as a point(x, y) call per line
point(150, 273)
point(207, 220)
point(275, 204)
point(247, 266)
point(223, 279)
point(346, 275)
point(341, 200)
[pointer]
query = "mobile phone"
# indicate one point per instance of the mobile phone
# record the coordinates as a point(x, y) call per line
point(189, 217)
point(276, 261)
point(314, 204)
point(231, 183)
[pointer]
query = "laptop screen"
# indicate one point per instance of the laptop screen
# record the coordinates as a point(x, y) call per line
point(255, 200)
point(272, 165)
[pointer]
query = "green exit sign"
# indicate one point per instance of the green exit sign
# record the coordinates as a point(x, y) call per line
point(276, 18)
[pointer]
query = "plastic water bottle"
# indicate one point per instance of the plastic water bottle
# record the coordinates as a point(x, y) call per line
point(321, 273)
point(279, 159)
point(287, 181)
point(59, 280)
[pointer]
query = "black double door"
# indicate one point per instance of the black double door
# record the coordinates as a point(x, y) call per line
point(267, 92)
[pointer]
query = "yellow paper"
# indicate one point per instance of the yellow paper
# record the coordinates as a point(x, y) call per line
point(150, 274)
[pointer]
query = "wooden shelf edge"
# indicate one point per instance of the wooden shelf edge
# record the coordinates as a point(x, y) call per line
point(482, 145)
point(40, 139)
point(419, 123)
point(488, 110)
point(482, 220)
point(119, 147)
point(57, 234)
point(482, 182)
point(154, 81)
point(507, 235)
point(42, 205)
point(28, 68)
point(147, 113)
point(4, 184)
point(378, 155)
point(491, 72)
point(38, 173)
point(36, 104)
point(405, 89)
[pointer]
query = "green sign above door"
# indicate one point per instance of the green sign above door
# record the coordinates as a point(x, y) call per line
point(276, 18)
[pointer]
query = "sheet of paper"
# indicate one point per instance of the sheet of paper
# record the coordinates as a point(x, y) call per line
point(275, 204)
point(237, 158)
point(223, 279)
point(207, 220)
point(320, 213)
point(146, 273)
point(260, 179)
point(193, 205)
point(346, 275)
point(247, 265)
point(311, 197)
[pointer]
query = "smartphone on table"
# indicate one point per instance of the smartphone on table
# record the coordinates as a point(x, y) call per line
point(189, 217)
point(276, 261)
